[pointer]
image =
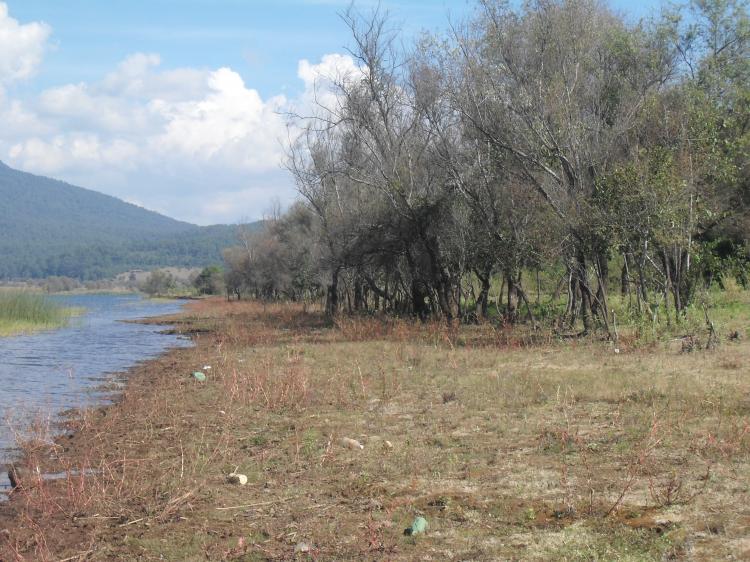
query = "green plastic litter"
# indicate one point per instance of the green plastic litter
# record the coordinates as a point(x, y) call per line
point(417, 527)
point(199, 376)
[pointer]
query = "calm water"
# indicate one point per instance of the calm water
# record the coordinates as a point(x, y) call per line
point(45, 373)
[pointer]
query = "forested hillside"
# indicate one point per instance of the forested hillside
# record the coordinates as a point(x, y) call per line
point(48, 227)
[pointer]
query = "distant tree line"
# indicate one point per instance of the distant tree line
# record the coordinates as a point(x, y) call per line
point(210, 281)
point(557, 140)
point(87, 261)
point(161, 282)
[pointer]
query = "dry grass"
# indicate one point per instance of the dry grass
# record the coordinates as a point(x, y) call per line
point(564, 451)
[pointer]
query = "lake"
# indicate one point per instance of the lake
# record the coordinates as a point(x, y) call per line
point(45, 373)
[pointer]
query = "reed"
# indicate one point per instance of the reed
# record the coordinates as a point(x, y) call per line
point(25, 312)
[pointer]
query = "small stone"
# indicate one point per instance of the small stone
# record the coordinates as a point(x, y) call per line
point(351, 443)
point(236, 478)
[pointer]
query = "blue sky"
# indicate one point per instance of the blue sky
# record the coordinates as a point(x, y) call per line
point(173, 104)
point(262, 40)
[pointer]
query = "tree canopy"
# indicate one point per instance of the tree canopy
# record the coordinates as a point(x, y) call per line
point(554, 137)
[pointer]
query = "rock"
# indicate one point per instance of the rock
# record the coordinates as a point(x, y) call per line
point(375, 439)
point(351, 443)
point(236, 478)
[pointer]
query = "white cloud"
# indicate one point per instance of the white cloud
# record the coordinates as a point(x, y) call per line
point(207, 152)
point(231, 125)
point(225, 124)
point(50, 156)
point(196, 144)
point(21, 47)
point(138, 77)
point(18, 121)
point(322, 80)
point(224, 205)
point(127, 100)
point(332, 68)
point(79, 106)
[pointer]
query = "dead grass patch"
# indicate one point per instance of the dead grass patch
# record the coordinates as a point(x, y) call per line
point(510, 450)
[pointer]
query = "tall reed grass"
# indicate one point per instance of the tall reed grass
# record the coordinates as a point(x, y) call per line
point(23, 312)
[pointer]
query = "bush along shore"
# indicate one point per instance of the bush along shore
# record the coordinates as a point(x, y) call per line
point(377, 438)
point(24, 312)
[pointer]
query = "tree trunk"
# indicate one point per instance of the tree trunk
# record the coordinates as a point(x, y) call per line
point(524, 297)
point(446, 299)
point(484, 296)
point(332, 295)
point(358, 295)
point(599, 307)
point(511, 312)
point(625, 277)
point(585, 291)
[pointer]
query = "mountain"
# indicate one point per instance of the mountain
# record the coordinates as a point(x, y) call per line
point(48, 227)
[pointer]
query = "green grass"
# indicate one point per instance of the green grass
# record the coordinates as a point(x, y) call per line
point(726, 308)
point(25, 312)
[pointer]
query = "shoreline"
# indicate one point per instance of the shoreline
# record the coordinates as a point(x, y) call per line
point(110, 392)
point(345, 435)
point(52, 370)
point(69, 426)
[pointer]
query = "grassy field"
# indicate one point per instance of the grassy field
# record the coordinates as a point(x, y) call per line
point(24, 312)
point(556, 450)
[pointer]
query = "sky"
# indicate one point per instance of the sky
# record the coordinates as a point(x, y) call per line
point(178, 105)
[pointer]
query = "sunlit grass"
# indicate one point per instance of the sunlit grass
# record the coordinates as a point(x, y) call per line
point(725, 307)
point(24, 312)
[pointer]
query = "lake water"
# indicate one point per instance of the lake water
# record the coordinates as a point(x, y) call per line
point(45, 373)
